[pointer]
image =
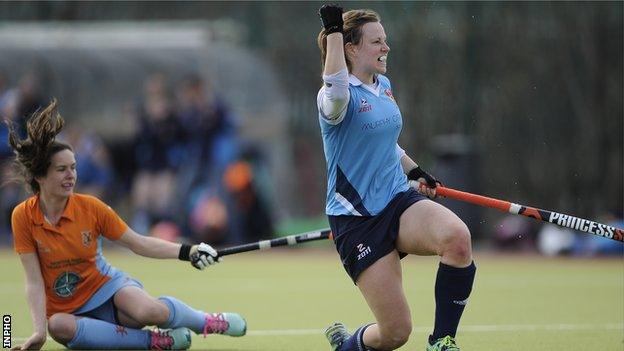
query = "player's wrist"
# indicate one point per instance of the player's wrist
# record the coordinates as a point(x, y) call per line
point(334, 29)
point(185, 252)
point(415, 173)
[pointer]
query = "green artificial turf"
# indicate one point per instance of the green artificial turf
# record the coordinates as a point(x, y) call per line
point(288, 296)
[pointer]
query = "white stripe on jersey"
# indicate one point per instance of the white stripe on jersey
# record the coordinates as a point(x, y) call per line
point(344, 202)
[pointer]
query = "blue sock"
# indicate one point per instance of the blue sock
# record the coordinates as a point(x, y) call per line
point(452, 289)
point(94, 334)
point(356, 341)
point(182, 315)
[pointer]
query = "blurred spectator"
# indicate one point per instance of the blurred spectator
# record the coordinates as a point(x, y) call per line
point(515, 233)
point(16, 104)
point(553, 240)
point(28, 99)
point(209, 218)
point(166, 230)
point(157, 155)
point(7, 112)
point(209, 128)
point(93, 164)
point(249, 210)
point(588, 245)
point(211, 145)
point(180, 156)
point(8, 193)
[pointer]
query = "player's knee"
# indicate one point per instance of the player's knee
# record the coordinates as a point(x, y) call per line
point(457, 241)
point(396, 336)
point(62, 327)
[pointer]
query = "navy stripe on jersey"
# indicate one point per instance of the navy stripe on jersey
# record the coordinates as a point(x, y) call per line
point(348, 196)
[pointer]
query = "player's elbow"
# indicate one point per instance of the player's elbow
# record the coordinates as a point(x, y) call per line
point(134, 242)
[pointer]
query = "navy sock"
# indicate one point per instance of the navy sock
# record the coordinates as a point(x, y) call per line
point(452, 289)
point(356, 341)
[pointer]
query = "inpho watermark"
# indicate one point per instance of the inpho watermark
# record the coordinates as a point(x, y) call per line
point(6, 331)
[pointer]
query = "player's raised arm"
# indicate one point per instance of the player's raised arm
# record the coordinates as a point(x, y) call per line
point(334, 96)
point(331, 18)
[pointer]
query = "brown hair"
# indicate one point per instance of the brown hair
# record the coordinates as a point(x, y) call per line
point(33, 155)
point(352, 30)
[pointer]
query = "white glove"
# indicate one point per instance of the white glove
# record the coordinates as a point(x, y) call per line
point(203, 255)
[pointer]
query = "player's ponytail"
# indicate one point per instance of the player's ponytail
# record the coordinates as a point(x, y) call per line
point(33, 155)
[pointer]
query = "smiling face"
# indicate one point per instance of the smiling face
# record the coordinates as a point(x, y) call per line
point(61, 177)
point(369, 56)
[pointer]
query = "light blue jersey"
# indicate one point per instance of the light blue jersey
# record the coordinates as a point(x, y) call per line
point(364, 169)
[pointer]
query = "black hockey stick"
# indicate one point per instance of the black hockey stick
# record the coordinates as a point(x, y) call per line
point(284, 241)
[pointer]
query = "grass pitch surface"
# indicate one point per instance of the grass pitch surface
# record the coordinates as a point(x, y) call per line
point(288, 296)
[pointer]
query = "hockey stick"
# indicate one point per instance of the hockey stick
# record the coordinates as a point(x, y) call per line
point(284, 241)
point(560, 219)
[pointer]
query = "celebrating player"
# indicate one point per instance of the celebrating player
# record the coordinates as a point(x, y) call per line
point(85, 302)
point(375, 216)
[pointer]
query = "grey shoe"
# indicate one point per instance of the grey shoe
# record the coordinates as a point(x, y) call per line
point(336, 334)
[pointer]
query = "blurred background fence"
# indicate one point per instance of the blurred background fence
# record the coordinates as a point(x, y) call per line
point(209, 107)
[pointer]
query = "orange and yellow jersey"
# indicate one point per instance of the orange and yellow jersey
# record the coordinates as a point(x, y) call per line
point(70, 253)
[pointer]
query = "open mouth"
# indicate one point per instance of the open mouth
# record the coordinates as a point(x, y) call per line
point(383, 58)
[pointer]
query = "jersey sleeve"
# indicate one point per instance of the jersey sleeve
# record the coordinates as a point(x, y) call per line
point(109, 223)
point(23, 241)
point(400, 152)
point(333, 97)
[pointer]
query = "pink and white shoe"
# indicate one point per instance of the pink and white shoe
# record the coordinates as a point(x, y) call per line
point(170, 339)
point(226, 323)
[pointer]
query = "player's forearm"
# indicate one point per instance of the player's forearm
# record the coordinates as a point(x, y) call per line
point(156, 248)
point(407, 163)
point(335, 59)
point(148, 246)
point(35, 294)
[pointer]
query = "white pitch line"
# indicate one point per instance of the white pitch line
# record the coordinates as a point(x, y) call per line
point(466, 329)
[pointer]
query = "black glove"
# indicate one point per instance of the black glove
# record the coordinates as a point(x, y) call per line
point(417, 173)
point(331, 18)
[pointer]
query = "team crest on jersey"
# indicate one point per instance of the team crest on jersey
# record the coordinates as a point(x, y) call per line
point(87, 239)
point(365, 106)
point(388, 93)
point(66, 283)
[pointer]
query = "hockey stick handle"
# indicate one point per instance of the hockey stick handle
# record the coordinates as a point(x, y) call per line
point(283, 241)
point(560, 219)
